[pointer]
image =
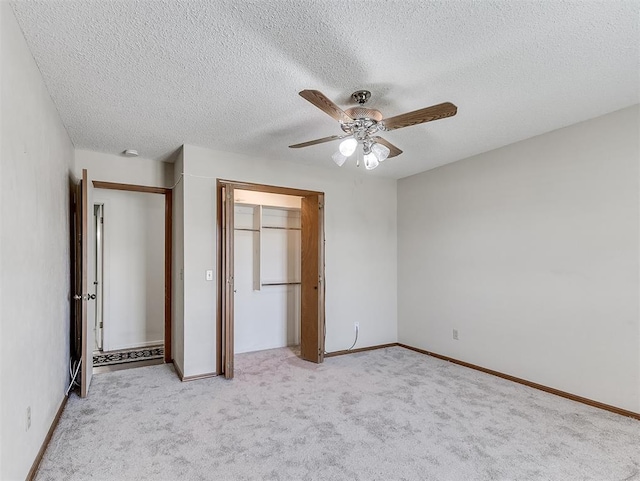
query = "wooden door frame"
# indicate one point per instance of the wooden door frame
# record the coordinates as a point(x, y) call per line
point(227, 289)
point(219, 233)
point(168, 248)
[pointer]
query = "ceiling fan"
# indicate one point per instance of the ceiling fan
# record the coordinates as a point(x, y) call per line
point(361, 124)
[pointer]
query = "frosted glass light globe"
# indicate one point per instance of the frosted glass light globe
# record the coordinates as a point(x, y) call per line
point(380, 151)
point(348, 146)
point(339, 159)
point(370, 161)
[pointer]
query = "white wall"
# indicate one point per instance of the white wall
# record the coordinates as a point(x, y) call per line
point(177, 282)
point(361, 266)
point(123, 170)
point(133, 268)
point(36, 156)
point(531, 252)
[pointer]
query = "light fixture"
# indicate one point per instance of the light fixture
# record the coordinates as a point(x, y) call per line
point(362, 130)
point(361, 126)
point(130, 153)
point(373, 152)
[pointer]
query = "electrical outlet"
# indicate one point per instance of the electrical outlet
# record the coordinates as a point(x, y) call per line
point(455, 334)
point(28, 417)
point(356, 325)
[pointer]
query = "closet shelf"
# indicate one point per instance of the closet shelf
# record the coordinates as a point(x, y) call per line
point(281, 283)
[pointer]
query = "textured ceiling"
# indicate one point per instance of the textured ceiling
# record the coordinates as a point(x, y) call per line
point(154, 75)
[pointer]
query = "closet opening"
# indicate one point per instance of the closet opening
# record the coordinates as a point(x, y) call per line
point(271, 271)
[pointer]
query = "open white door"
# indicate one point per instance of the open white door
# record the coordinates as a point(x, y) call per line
point(84, 296)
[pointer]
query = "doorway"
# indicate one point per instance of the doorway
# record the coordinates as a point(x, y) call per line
point(82, 331)
point(127, 274)
point(311, 269)
point(131, 276)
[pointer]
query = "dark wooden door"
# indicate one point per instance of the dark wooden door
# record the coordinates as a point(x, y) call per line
point(312, 268)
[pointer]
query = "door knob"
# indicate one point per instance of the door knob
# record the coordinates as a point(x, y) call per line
point(86, 297)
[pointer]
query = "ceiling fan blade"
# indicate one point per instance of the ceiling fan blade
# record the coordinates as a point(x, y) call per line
point(421, 116)
point(393, 150)
point(319, 99)
point(317, 141)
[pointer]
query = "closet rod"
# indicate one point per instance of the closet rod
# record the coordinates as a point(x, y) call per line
point(283, 228)
point(249, 230)
point(282, 284)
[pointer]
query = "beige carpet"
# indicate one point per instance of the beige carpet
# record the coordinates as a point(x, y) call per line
point(390, 414)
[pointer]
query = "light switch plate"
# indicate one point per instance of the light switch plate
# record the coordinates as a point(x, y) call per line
point(209, 275)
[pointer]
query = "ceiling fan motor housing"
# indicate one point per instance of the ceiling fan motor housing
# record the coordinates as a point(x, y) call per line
point(365, 122)
point(364, 113)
